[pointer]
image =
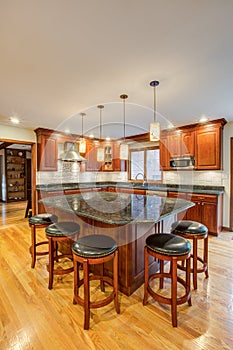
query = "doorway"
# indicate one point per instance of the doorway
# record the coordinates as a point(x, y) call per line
point(30, 165)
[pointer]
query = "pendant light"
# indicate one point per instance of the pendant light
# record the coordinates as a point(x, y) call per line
point(154, 127)
point(124, 148)
point(100, 150)
point(82, 142)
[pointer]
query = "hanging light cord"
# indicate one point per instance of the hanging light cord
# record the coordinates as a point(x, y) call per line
point(100, 108)
point(154, 83)
point(124, 97)
point(82, 114)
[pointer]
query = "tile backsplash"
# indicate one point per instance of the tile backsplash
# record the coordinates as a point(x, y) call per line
point(206, 178)
point(70, 172)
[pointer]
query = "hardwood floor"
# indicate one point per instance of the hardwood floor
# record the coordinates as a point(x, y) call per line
point(33, 317)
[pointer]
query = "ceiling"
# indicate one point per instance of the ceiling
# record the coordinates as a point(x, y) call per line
point(61, 58)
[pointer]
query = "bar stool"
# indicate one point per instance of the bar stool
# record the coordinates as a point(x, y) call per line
point(35, 222)
point(66, 231)
point(194, 231)
point(171, 248)
point(94, 250)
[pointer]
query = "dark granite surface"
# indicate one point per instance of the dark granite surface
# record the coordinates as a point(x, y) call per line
point(148, 186)
point(118, 208)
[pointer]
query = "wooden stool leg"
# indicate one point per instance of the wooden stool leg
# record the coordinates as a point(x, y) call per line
point(161, 266)
point(195, 262)
point(86, 294)
point(188, 283)
point(101, 279)
point(146, 276)
point(33, 246)
point(174, 291)
point(76, 281)
point(115, 281)
point(206, 256)
point(51, 261)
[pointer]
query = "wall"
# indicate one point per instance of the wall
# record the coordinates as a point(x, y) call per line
point(16, 133)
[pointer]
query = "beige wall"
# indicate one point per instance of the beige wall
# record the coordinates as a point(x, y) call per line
point(15, 133)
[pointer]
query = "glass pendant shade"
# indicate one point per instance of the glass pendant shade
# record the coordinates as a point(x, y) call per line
point(124, 151)
point(154, 131)
point(100, 154)
point(82, 146)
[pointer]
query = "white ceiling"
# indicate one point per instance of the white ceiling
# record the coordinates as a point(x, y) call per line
point(60, 58)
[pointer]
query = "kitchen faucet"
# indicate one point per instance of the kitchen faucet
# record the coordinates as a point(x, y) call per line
point(144, 178)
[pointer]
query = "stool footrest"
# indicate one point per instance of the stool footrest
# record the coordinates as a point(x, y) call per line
point(168, 300)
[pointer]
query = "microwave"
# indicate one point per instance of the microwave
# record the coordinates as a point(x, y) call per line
point(182, 163)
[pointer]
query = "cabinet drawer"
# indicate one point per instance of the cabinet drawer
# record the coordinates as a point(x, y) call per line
point(210, 198)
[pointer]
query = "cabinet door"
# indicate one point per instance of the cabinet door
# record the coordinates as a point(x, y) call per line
point(208, 148)
point(91, 156)
point(47, 153)
point(174, 144)
point(164, 153)
point(194, 213)
point(187, 143)
point(209, 216)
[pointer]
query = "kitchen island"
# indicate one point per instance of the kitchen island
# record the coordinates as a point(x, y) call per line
point(128, 218)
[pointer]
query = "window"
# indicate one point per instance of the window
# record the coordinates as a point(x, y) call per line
point(145, 164)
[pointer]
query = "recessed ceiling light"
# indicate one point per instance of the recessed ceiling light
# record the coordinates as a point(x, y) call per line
point(14, 120)
point(170, 126)
point(203, 119)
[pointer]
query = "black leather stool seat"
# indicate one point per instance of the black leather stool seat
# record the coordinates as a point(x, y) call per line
point(189, 227)
point(63, 228)
point(94, 246)
point(42, 219)
point(94, 251)
point(168, 244)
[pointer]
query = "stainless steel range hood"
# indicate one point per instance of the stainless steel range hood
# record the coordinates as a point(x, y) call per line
point(71, 154)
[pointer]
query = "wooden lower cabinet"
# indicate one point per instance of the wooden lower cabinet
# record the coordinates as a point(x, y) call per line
point(207, 210)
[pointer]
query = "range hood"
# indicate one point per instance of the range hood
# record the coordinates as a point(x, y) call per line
point(71, 154)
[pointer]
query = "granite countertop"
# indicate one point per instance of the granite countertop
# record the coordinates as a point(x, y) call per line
point(133, 185)
point(118, 208)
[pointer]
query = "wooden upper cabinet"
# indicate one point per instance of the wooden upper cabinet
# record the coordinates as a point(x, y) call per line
point(91, 156)
point(208, 147)
point(164, 153)
point(203, 142)
point(47, 150)
point(188, 143)
point(174, 144)
point(118, 164)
